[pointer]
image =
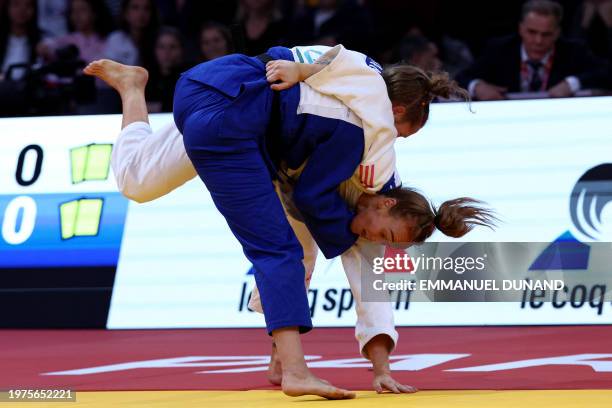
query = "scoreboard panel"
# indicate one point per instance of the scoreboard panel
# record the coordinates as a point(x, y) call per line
point(62, 221)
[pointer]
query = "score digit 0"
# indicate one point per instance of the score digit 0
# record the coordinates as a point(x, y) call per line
point(11, 232)
point(37, 168)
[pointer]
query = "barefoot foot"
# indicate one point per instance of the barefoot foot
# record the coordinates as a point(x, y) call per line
point(295, 385)
point(275, 369)
point(123, 78)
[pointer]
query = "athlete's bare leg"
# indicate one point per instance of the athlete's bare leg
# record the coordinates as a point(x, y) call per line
point(297, 378)
point(275, 370)
point(130, 82)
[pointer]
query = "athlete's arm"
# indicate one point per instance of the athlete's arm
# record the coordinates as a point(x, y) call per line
point(378, 351)
point(284, 74)
point(375, 329)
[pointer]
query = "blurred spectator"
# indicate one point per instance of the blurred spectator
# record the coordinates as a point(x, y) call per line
point(215, 41)
point(456, 55)
point(536, 60)
point(189, 15)
point(52, 17)
point(134, 42)
point(262, 25)
point(333, 22)
point(89, 25)
point(114, 6)
point(593, 24)
point(419, 51)
point(453, 53)
point(19, 35)
point(169, 63)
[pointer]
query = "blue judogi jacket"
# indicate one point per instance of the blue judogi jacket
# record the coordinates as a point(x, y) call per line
point(316, 131)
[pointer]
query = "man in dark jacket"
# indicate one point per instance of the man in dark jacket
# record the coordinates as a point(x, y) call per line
point(536, 60)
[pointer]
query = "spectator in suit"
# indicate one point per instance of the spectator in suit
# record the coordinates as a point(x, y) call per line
point(536, 60)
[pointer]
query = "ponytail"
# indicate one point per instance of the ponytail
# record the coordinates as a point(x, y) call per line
point(441, 85)
point(453, 218)
point(457, 217)
point(414, 89)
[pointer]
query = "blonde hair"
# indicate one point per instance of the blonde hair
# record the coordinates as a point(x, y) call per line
point(453, 218)
point(414, 89)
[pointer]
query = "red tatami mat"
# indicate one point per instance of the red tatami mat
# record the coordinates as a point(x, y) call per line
point(566, 357)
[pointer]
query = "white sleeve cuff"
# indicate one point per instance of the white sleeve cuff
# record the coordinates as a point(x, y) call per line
point(364, 336)
point(472, 87)
point(574, 83)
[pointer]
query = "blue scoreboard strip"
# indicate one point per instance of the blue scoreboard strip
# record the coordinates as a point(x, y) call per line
point(48, 245)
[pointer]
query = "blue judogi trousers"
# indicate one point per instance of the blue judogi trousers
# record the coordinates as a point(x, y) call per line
point(224, 137)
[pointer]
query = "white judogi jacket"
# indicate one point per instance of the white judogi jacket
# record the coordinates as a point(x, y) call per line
point(148, 165)
point(356, 80)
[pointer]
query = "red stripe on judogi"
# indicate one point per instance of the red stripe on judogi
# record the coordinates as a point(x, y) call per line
point(366, 175)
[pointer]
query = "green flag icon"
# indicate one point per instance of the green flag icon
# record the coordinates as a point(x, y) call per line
point(81, 218)
point(68, 214)
point(90, 162)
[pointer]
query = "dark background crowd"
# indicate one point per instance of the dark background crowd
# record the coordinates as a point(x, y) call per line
point(496, 49)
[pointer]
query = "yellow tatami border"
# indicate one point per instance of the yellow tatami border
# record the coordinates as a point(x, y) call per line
point(272, 399)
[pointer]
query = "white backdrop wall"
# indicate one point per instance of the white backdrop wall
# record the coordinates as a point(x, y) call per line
point(179, 265)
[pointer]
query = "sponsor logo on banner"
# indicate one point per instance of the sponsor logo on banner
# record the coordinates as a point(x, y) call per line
point(591, 193)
